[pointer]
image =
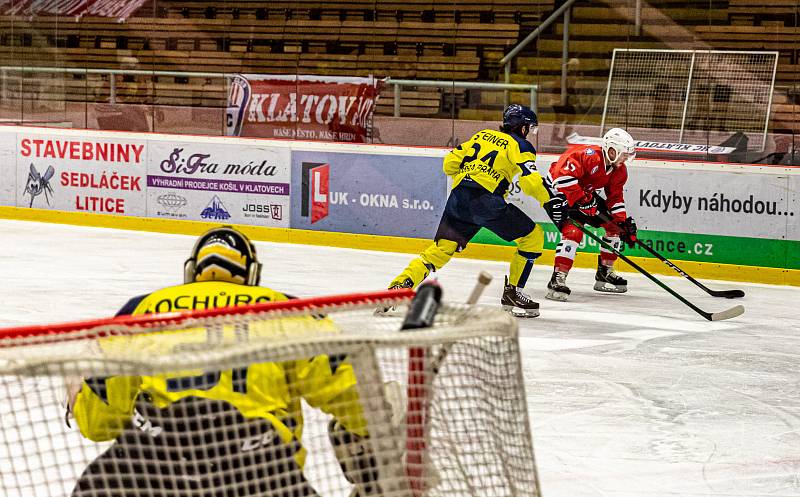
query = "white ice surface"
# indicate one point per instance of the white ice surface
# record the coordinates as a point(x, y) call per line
point(630, 395)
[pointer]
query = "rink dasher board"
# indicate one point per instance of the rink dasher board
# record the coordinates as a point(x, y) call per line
point(711, 209)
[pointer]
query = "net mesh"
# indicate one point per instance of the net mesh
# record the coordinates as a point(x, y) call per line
point(328, 400)
point(691, 96)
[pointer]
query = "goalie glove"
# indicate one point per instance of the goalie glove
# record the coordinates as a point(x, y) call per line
point(72, 387)
point(557, 209)
point(629, 230)
point(356, 459)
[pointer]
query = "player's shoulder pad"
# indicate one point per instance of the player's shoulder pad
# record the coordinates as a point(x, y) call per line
point(524, 145)
point(527, 167)
point(131, 305)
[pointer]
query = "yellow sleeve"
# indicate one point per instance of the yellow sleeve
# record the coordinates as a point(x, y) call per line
point(330, 384)
point(104, 406)
point(530, 181)
point(533, 185)
point(454, 159)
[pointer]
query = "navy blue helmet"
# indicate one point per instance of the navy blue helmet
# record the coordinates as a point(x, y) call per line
point(517, 115)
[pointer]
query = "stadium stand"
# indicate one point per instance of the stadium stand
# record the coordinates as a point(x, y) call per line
point(414, 39)
point(442, 50)
point(487, 11)
point(755, 11)
point(596, 30)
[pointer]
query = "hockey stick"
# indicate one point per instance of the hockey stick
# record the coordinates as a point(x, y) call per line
point(484, 279)
point(728, 294)
point(715, 316)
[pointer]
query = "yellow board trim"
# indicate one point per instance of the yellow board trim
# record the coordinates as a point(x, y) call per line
point(730, 272)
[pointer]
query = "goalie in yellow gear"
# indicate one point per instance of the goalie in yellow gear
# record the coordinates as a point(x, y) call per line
point(207, 433)
point(482, 169)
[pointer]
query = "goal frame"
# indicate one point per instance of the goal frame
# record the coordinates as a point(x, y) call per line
point(145, 322)
point(457, 324)
point(687, 95)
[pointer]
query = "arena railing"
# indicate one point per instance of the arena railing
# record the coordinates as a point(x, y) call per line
point(436, 83)
point(397, 83)
point(565, 10)
point(4, 70)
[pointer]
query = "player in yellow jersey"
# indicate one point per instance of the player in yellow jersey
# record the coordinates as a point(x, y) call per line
point(216, 433)
point(482, 169)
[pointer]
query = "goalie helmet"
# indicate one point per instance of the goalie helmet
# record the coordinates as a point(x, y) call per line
point(223, 254)
point(618, 146)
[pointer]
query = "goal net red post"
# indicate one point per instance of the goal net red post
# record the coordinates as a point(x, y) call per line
point(691, 96)
point(323, 398)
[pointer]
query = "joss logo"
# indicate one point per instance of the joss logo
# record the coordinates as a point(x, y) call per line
point(315, 188)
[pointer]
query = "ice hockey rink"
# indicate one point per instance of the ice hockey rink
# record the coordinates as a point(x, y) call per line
point(630, 395)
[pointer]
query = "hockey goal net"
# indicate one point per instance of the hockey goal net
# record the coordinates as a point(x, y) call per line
point(439, 411)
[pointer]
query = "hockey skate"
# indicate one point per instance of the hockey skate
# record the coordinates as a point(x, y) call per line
point(390, 310)
point(608, 281)
point(517, 303)
point(557, 287)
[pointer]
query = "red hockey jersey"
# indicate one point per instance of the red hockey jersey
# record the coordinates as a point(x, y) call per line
point(581, 171)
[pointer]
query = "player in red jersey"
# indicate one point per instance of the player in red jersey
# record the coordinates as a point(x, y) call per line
point(578, 175)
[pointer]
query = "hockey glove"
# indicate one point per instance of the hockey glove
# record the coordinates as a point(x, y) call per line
point(587, 205)
point(356, 458)
point(586, 210)
point(558, 210)
point(628, 235)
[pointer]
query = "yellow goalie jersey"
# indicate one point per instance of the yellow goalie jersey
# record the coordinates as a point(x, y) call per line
point(492, 159)
point(104, 406)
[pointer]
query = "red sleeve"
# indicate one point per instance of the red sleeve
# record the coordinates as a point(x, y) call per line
point(565, 175)
point(614, 195)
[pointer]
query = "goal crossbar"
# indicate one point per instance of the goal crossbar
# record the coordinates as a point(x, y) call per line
point(137, 323)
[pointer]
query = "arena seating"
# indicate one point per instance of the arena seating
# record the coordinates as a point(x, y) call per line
point(487, 11)
point(413, 39)
point(595, 30)
point(756, 11)
point(412, 50)
point(784, 40)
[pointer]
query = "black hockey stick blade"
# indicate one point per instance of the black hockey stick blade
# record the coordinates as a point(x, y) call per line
point(734, 311)
point(718, 316)
point(728, 294)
